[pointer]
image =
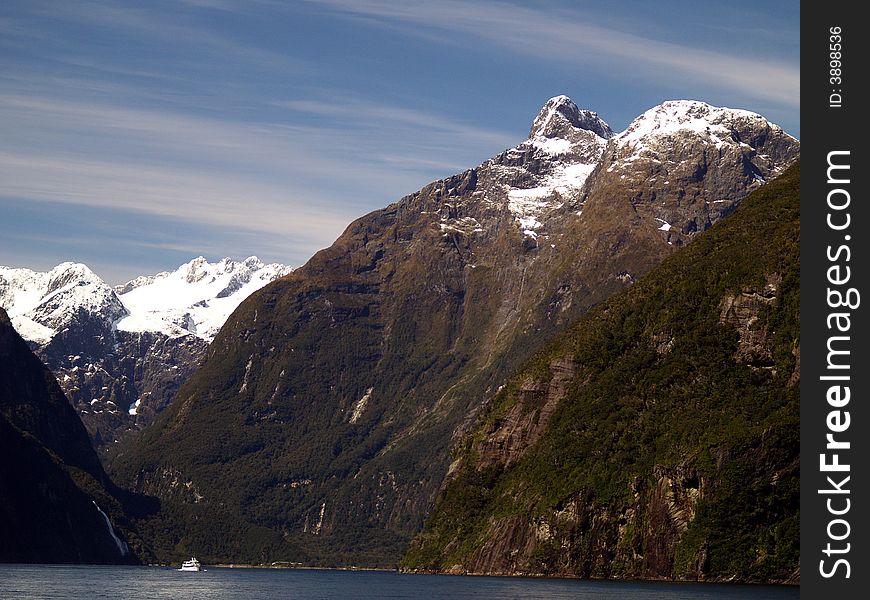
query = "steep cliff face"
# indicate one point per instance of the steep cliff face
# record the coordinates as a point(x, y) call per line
point(658, 437)
point(56, 503)
point(509, 437)
point(325, 408)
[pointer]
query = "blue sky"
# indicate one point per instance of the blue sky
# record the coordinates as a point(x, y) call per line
point(135, 136)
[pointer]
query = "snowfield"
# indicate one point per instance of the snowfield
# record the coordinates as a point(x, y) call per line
point(195, 299)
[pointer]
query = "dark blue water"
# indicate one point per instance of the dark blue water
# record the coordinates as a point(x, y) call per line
point(122, 583)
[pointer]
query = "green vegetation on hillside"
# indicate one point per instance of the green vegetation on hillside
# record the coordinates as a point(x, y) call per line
point(669, 395)
point(319, 426)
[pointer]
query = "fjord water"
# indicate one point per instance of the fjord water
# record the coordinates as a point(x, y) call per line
point(53, 582)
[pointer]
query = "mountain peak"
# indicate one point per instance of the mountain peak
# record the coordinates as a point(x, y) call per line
point(68, 272)
point(196, 298)
point(252, 262)
point(560, 116)
point(678, 127)
point(693, 116)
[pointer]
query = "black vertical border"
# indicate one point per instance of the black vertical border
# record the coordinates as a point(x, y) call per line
point(826, 127)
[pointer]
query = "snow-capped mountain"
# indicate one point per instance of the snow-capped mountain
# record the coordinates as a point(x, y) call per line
point(705, 157)
point(548, 171)
point(387, 345)
point(651, 134)
point(41, 304)
point(194, 299)
point(568, 140)
point(120, 353)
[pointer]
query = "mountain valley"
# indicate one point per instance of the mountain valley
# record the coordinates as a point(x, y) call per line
point(320, 424)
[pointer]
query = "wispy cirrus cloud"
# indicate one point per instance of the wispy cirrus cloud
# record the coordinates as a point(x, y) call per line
point(161, 35)
point(270, 124)
point(269, 177)
point(403, 129)
point(180, 193)
point(555, 35)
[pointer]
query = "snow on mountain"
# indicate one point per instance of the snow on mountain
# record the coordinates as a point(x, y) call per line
point(560, 119)
point(194, 299)
point(536, 182)
point(41, 304)
point(21, 289)
point(651, 135)
point(564, 146)
point(121, 354)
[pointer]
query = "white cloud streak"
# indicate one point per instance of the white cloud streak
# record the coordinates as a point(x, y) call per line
point(202, 197)
point(270, 177)
point(159, 131)
point(556, 36)
point(150, 25)
point(97, 143)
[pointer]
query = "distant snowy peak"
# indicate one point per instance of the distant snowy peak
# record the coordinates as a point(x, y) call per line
point(139, 282)
point(70, 272)
point(75, 295)
point(194, 299)
point(21, 290)
point(40, 304)
point(228, 275)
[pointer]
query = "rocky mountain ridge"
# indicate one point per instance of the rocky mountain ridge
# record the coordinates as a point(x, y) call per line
point(323, 414)
point(121, 353)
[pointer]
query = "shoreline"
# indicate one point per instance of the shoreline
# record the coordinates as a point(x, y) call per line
point(401, 571)
point(283, 565)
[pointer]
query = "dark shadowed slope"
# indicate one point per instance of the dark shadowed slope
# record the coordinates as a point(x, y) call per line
point(55, 500)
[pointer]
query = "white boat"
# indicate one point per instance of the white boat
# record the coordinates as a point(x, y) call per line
point(191, 565)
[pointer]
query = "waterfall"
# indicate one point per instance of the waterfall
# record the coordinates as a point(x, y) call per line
point(122, 546)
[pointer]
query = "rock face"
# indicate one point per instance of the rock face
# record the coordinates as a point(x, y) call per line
point(741, 311)
point(356, 372)
point(121, 354)
point(657, 437)
point(511, 435)
point(56, 503)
